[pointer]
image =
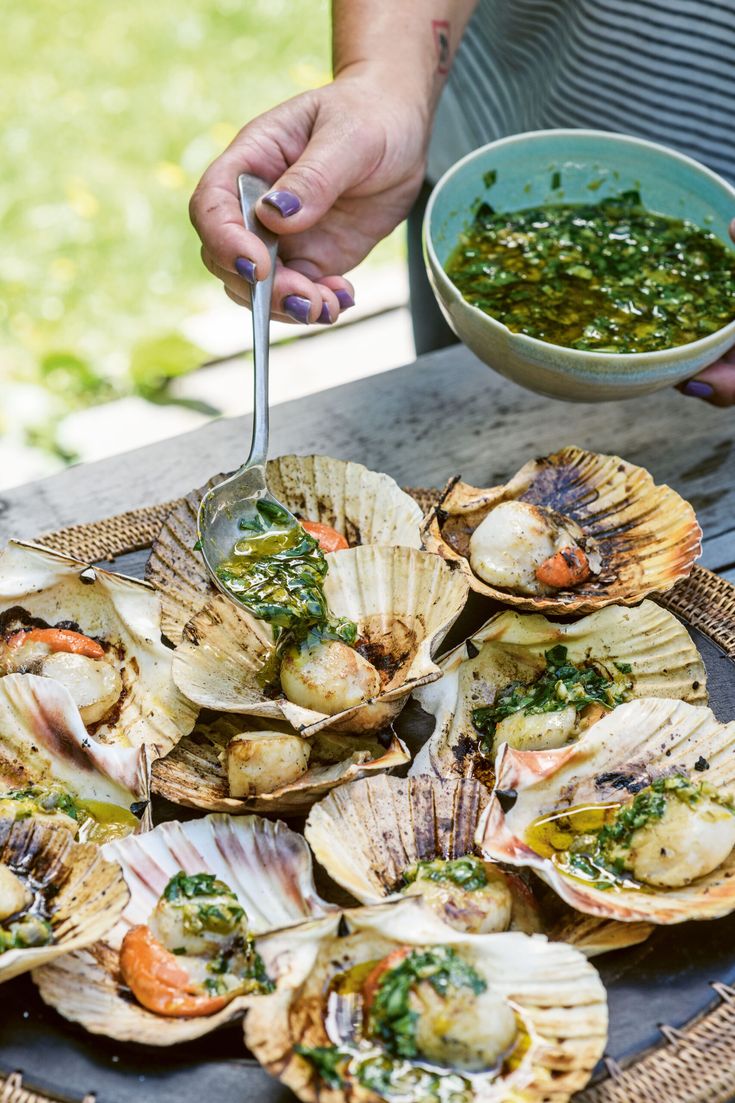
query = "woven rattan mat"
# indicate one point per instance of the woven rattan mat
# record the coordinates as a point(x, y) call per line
point(694, 1065)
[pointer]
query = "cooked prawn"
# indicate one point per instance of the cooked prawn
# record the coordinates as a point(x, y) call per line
point(159, 981)
point(565, 569)
point(58, 639)
point(329, 539)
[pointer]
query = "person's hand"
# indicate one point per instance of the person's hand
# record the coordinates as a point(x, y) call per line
point(715, 384)
point(346, 162)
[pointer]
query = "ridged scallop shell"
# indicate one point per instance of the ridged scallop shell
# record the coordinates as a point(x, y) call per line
point(88, 890)
point(365, 506)
point(647, 535)
point(554, 989)
point(194, 775)
point(122, 611)
point(266, 865)
point(368, 833)
point(403, 601)
point(625, 751)
point(43, 739)
point(511, 646)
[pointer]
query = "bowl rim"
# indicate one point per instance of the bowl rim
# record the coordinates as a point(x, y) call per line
point(653, 357)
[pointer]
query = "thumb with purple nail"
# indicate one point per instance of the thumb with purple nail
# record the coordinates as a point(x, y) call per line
point(345, 162)
point(716, 384)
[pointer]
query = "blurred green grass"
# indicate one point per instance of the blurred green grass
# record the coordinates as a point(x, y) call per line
point(108, 116)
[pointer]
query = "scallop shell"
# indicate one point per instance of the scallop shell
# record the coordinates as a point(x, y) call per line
point(404, 602)
point(267, 865)
point(123, 612)
point(193, 775)
point(647, 535)
point(368, 833)
point(365, 506)
point(42, 739)
point(625, 751)
point(510, 647)
point(554, 989)
point(89, 892)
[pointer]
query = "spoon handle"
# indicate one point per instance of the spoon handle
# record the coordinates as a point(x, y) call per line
point(251, 189)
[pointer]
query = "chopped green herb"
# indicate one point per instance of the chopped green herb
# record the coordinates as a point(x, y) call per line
point(555, 181)
point(327, 1060)
point(490, 178)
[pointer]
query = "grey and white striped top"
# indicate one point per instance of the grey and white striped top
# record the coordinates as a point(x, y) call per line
point(661, 69)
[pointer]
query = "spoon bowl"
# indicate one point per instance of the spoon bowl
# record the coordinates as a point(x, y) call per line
point(235, 505)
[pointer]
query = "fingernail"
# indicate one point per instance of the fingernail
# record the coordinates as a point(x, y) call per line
point(697, 389)
point(285, 202)
point(297, 308)
point(344, 299)
point(325, 318)
point(245, 268)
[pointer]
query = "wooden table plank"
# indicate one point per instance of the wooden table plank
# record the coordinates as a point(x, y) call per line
point(442, 415)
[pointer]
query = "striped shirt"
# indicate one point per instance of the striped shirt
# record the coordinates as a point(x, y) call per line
point(662, 70)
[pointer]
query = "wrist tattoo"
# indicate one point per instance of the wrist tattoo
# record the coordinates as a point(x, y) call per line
point(440, 28)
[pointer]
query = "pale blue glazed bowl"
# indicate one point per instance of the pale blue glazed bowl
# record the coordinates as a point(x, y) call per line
point(590, 164)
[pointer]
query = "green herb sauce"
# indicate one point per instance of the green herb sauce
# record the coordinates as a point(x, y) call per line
point(604, 277)
point(590, 842)
point(97, 821)
point(467, 873)
point(391, 1019)
point(277, 572)
point(381, 1061)
point(208, 905)
point(562, 684)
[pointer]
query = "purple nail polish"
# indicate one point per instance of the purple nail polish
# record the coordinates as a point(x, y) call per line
point(344, 299)
point(246, 269)
point(325, 318)
point(697, 389)
point(285, 202)
point(297, 308)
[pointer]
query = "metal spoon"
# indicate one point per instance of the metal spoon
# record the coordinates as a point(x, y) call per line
point(236, 499)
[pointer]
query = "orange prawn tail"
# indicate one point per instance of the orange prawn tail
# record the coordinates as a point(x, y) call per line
point(329, 539)
point(566, 569)
point(59, 639)
point(158, 980)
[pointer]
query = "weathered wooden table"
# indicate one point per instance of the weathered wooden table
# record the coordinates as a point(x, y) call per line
point(445, 414)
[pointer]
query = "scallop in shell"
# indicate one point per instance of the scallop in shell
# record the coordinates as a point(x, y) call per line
point(365, 506)
point(193, 774)
point(403, 601)
point(639, 538)
point(642, 651)
point(547, 993)
point(266, 865)
point(123, 614)
point(367, 835)
point(44, 742)
point(78, 890)
point(641, 743)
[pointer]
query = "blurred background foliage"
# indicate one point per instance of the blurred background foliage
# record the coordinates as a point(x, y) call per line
point(109, 114)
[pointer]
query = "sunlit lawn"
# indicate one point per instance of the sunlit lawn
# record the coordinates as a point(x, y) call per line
point(108, 115)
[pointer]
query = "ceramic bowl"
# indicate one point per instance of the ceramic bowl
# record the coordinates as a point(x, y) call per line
point(571, 166)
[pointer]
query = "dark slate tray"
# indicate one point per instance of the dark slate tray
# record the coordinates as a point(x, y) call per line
point(666, 981)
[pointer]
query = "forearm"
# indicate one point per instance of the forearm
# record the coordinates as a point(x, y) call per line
point(409, 44)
